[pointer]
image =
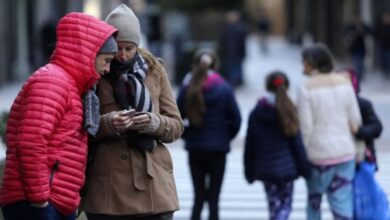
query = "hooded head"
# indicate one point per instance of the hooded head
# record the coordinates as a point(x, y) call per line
point(124, 19)
point(80, 37)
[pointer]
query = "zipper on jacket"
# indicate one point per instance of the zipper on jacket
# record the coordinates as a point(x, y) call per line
point(53, 170)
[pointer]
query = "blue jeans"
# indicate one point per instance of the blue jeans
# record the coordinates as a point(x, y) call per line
point(336, 182)
point(23, 210)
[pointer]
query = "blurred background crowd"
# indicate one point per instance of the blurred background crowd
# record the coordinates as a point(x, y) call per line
point(355, 30)
point(243, 33)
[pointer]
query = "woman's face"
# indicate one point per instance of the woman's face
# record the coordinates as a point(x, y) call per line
point(307, 68)
point(126, 50)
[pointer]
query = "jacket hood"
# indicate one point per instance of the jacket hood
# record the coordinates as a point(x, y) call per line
point(266, 111)
point(213, 79)
point(79, 39)
point(212, 88)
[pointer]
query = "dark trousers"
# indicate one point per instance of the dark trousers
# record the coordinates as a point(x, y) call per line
point(207, 170)
point(23, 210)
point(358, 64)
point(233, 71)
point(164, 216)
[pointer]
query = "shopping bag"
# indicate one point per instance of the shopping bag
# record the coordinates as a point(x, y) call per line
point(370, 201)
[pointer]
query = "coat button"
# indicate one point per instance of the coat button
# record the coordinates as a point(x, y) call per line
point(124, 157)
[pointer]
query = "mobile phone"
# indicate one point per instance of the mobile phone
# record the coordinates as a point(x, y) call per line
point(129, 113)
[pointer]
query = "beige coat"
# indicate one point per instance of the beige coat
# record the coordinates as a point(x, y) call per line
point(123, 180)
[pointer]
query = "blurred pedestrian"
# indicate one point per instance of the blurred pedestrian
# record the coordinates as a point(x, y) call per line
point(232, 48)
point(131, 173)
point(329, 117)
point(274, 151)
point(208, 104)
point(46, 139)
point(371, 127)
point(356, 32)
point(383, 37)
point(263, 25)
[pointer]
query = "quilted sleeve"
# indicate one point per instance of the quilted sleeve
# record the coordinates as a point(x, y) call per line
point(355, 118)
point(305, 114)
point(372, 126)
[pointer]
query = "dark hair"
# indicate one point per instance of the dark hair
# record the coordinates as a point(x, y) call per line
point(318, 57)
point(278, 83)
point(195, 105)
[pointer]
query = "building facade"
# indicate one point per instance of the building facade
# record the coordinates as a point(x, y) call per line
point(27, 28)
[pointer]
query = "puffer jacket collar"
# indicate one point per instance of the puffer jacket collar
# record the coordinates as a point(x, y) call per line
point(79, 38)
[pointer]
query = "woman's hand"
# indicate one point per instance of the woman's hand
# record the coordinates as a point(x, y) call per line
point(354, 128)
point(140, 120)
point(145, 122)
point(121, 121)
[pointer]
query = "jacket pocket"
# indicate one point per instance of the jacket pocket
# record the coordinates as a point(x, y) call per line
point(54, 169)
point(162, 157)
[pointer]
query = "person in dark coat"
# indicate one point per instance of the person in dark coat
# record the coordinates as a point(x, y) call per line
point(232, 48)
point(208, 104)
point(356, 32)
point(274, 151)
point(371, 127)
point(382, 35)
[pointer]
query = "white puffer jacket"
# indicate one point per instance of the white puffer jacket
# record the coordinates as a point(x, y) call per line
point(328, 109)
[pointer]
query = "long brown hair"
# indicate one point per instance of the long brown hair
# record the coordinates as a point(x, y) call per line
point(278, 83)
point(195, 106)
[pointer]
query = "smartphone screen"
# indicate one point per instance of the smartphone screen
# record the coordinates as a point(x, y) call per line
point(129, 113)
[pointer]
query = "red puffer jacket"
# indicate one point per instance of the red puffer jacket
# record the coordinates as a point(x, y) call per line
point(46, 141)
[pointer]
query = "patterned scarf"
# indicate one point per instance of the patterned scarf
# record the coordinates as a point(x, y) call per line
point(128, 82)
point(91, 112)
point(127, 79)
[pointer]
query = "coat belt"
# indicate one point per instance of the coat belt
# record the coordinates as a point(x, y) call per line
point(143, 168)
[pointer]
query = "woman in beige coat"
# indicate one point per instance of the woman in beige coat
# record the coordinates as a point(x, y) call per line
point(131, 174)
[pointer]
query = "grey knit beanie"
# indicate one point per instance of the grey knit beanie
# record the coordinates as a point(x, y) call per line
point(109, 46)
point(124, 19)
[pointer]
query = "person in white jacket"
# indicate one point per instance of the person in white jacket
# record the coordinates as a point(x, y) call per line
point(329, 116)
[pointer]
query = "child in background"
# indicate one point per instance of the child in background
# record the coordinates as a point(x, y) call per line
point(371, 127)
point(274, 151)
point(208, 103)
